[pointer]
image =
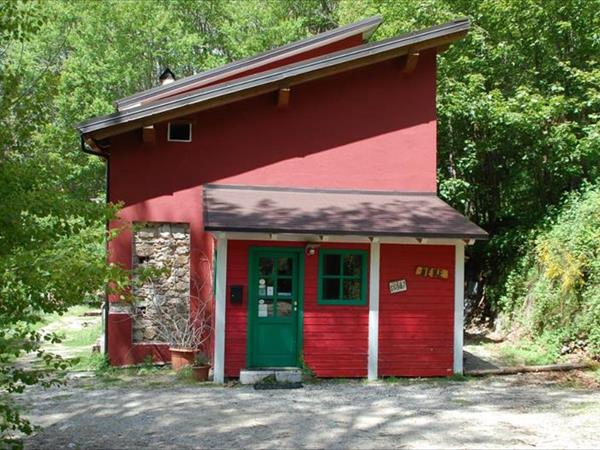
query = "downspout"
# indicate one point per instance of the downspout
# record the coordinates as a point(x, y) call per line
point(106, 157)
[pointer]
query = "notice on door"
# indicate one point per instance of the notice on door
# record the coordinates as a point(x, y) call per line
point(262, 309)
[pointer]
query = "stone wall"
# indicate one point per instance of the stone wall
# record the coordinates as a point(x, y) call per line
point(162, 246)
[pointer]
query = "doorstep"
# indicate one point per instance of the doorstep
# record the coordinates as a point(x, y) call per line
point(281, 374)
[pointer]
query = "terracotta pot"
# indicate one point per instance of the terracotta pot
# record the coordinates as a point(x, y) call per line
point(181, 357)
point(200, 373)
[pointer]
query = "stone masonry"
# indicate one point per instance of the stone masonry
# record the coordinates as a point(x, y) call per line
point(164, 246)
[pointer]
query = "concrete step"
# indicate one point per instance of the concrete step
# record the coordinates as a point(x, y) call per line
point(282, 375)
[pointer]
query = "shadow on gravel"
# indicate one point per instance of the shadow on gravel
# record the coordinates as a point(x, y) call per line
point(421, 413)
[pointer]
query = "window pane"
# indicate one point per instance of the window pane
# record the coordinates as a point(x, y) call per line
point(331, 288)
point(265, 307)
point(284, 307)
point(352, 265)
point(265, 286)
point(284, 266)
point(284, 287)
point(331, 264)
point(265, 265)
point(351, 290)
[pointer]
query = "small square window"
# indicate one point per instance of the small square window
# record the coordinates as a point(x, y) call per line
point(342, 277)
point(179, 132)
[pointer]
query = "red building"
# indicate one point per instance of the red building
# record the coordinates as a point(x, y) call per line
point(310, 172)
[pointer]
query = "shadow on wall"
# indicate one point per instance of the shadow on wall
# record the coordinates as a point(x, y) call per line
point(250, 134)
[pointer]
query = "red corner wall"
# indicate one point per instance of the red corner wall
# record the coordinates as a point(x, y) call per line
point(369, 129)
point(335, 338)
point(416, 327)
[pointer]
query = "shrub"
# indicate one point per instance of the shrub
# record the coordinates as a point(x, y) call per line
point(554, 290)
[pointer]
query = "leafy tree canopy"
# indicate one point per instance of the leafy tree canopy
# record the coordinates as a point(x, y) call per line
point(518, 109)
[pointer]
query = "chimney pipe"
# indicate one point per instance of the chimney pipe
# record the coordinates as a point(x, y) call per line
point(166, 77)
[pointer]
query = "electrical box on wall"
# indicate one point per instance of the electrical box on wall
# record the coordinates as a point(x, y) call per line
point(236, 295)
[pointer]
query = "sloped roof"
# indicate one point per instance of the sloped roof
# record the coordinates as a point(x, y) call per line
point(365, 27)
point(272, 80)
point(333, 212)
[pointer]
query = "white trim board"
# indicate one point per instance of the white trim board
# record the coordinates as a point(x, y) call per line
point(374, 270)
point(459, 305)
point(314, 238)
point(220, 304)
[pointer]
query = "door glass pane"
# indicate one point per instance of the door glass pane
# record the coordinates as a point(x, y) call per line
point(265, 307)
point(284, 307)
point(284, 287)
point(265, 265)
point(352, 264)
point(284, 266)
point(351, 289)
point(265, 286)
point(331, 264)
point(331, 288)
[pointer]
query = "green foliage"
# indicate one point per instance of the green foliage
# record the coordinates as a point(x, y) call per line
point(544, 349)
point(201, 359)
point(554, 290)
point(518, 109)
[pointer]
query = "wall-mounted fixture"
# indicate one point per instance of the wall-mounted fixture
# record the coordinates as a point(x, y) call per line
point(311, 249)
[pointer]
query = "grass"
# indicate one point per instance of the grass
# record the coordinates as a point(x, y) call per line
point(78, 310)
point(531, 353)
point(84, 337)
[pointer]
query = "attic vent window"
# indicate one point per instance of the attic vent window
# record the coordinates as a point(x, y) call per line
point(180, 132)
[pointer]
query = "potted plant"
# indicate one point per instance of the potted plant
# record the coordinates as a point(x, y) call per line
point(200, 367)
point(183, 325)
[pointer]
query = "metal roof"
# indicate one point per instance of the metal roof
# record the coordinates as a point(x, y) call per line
point(271, 80)
point(366, 27)
point(334, 212)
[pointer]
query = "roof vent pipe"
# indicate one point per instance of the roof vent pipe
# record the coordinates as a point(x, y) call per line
point(166, 77)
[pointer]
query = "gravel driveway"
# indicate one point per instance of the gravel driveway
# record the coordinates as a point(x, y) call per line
point(518, 411)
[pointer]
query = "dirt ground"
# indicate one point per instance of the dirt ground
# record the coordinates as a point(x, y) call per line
point(516, 412)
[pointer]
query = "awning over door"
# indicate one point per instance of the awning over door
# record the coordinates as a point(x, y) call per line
point(333, 212)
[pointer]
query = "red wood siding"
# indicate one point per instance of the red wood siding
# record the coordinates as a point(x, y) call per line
point(416, 327)
point(336, 338)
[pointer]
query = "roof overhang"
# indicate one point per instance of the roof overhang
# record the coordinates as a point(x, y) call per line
point(270, 81)
point(365, 28)
point(324, 212)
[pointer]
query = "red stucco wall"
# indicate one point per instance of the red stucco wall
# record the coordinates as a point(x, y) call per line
point(416, 326)
point(370, 129)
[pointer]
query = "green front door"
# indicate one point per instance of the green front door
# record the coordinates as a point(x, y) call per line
point(274, 307)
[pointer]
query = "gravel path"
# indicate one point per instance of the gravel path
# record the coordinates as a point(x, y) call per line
point(160, 411)
point(518, 411)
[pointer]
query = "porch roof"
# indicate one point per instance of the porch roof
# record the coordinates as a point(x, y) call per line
point(333, 212)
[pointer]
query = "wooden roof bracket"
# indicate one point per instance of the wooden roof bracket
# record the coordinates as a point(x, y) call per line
point(442, 48)
point(283, 97)
point(410, 64)
point(148, 134)
point(91, 143)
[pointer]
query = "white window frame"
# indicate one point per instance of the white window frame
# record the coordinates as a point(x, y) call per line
point(181, 123)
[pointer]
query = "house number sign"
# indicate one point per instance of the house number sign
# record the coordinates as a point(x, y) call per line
point(431, 272)
point(397, 286)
